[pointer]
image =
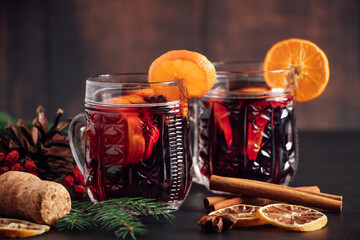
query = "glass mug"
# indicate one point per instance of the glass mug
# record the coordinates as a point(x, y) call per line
point(244, 128)
point(136, 140)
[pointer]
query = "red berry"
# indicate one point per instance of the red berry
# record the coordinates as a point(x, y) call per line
point(68, 181)
point(2, 157)
point(4, 169)
point(79, 191)
point(76, 169)
point(12, 157)
point(79, 178)
point(17, 167)
point(30, 166)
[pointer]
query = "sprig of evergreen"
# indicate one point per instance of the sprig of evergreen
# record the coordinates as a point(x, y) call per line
point(118, 215)
point(122, 223)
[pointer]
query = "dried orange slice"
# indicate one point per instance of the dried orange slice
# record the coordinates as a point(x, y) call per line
point(292, 217)
point(194, 68)
point(244, 214)
point(309, 61)
point(14, 228)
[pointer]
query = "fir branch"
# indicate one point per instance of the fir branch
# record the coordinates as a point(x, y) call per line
point(74, 220)
point(114, 215)
point(122, 223)
point(143, 206)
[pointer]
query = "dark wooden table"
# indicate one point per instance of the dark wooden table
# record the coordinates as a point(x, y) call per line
point(330, 160)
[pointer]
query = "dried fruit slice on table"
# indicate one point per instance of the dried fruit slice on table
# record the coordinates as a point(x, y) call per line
point(292, 217)
point(309, 61)
point(194, 68)
point(243, 213)
point(15, 228)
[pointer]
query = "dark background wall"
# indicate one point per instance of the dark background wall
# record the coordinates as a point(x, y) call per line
point(48, 48)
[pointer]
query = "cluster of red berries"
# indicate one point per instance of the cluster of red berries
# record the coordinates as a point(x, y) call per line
point(75, 181)
point(10, 162)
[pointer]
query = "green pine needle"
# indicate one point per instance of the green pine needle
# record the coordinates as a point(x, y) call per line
point(121, 223)
point(117, 215)
point(74, 220)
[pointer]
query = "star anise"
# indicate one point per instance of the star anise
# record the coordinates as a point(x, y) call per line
point(217, 223)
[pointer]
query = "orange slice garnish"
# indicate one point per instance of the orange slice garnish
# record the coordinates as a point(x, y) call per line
point(135, 140)
point(14, 228)
point(194, 68)
point(309, 61)
point(244, 214)
point(144, 93)
point(126, 99)
point(221, 116)
point(292, 217)
point(254, 89)
point(135, 145)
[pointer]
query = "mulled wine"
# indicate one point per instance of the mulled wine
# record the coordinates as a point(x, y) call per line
point(246, 130)
point(137, 152)
point(137, 142)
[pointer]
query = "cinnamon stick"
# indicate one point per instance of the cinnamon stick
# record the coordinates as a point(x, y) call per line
point(309, 189)
point(263, 201)
point(335, 197)
point(217, 202)
point(226, 203)
point(273, 192)
point(210, 201)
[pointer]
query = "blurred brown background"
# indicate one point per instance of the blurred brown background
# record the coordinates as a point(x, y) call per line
point(48, 48)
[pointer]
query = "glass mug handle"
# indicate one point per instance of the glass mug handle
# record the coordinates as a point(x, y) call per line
point(77, 140)
point(193, 119)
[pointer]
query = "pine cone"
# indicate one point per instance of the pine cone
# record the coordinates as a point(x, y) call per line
point(48, 148)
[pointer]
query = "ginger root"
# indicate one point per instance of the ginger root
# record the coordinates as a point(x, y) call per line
point(23, 195)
